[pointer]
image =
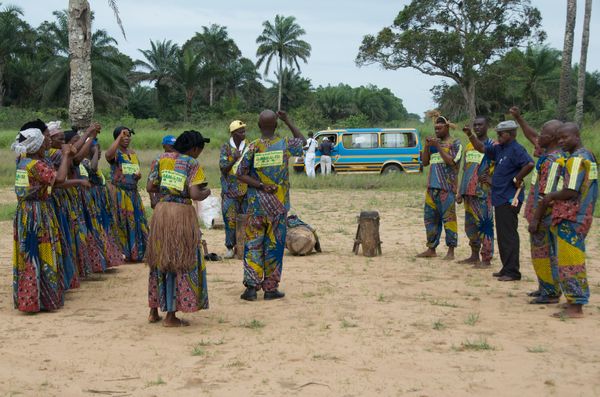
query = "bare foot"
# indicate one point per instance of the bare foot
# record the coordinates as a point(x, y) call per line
point(430, 253)
point(470, 260)
point(172, 321)
point(571, 310)
point(482, 265)
point(450, 255)
point(153, 317)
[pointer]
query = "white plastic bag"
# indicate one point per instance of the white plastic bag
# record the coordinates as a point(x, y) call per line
point(209, 211)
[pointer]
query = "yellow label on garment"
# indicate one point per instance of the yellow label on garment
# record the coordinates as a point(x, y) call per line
point(83, 171)
point(474, 156)
point(130, 169)
point(593, 171)
point(268, 159)
point(22, 179)
point(172, 180)
point(436, 158)
point(103, 178)
point(534, 177)
point(561, 183)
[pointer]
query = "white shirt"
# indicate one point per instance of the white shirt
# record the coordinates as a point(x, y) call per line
point(311, 144)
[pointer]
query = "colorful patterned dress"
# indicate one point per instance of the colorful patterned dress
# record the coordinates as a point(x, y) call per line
point(38, 282)
point(233, 195)
point(60, 202)
point(267, 161)
point(184, 291)
point(479, 212)
point(571, 222)
point(110, 254)
point(440, 198)
point(129, 210)
point(544, 180)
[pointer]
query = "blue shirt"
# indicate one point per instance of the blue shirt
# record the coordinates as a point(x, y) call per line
point(509, 158)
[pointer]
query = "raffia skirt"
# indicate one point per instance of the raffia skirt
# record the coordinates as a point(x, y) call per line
point(174, 238)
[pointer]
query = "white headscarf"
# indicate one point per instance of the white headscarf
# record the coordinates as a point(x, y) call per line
point(34, 139)
point(54, 127)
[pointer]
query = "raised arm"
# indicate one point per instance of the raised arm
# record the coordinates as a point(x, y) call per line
point(528, 131)
point(477, 144)
point(426, 154)
point(111, 153)
point(295, 130)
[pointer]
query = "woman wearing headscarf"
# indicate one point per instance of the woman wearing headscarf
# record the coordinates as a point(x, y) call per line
point(177, 272)
point(129, 210)
point(37, 261)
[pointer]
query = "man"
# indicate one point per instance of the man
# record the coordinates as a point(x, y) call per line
point(572, 215)
point(512, 164)
point(264, 168)
point(325, 148)
point(167, 143)
point(544, 180)
point(474, 190)
point(442, 154)
point(233, 192)
point(309, 157)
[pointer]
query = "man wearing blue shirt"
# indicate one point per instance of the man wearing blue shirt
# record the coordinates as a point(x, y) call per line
point(513, 163)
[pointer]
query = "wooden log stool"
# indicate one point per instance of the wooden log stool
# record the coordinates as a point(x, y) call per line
point(367, 234)
point(240, 235)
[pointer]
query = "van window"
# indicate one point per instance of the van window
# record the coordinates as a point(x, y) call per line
point(359, 141)
point(398, 140)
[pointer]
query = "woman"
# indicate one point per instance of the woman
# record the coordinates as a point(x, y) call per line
point(129, 210)
point(37, 268)
point(177, 271)
point(95, 209)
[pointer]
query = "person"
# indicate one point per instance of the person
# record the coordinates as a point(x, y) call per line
point(233, 192)
point(177, 280)
point(442, 154)
point(264, 168)
point(38, 278)
point(572, 214)
point(167, 143)
point(309, 157)
point(325, 148)
point(544, 180)
point(512, 165)
point(474, 191)
point(129, 213)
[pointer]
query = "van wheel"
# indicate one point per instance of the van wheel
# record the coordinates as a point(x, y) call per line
point(391, 169)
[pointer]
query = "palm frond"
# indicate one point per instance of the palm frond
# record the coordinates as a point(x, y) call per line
point(113, 4)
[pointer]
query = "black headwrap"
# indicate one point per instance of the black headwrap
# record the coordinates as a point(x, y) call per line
point(70, 135)
point(39, 124)
point(120, 128)
point(189, 140)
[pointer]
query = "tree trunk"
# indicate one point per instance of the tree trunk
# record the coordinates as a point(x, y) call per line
point(585, 40)
point(212, 91)
point(189, 99)
point(565, 70)
point(81, 101)
point(468, 90)
point(280, 83)
point(2, 89)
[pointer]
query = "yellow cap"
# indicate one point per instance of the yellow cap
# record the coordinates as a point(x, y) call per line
point(236, 125)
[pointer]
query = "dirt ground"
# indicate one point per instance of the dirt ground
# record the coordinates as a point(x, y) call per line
point(348, 326)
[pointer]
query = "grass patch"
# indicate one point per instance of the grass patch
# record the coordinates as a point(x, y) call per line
point(439, 325)
point(198, 350)
point(537, 349)
point(7, 211)
point(478, 345)
point(159, 381)
point(325, 357)
point(253, 324)
point(443, 303)
point(472, 319)
point(348, 324)
point(381, 298)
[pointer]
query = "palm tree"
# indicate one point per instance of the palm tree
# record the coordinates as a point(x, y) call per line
point(282, 40)
point(11, 42)
point(108, 66)
point(217, 51)
point(187, 73)
point(567, 54)
point(158, 67)
point(295, 89)
point(585, 40)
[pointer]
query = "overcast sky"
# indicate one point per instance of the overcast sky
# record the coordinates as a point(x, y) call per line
point(334, 28)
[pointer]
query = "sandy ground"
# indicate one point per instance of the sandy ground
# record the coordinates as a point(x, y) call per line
point(349, 326)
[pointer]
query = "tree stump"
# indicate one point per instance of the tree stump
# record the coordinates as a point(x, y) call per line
point(240, 235)
point(367, 234)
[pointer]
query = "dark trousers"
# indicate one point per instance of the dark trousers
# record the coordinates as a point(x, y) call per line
point(507, 222)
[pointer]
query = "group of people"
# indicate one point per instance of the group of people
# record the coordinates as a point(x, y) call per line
point(559, 207)
point(71, 222)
